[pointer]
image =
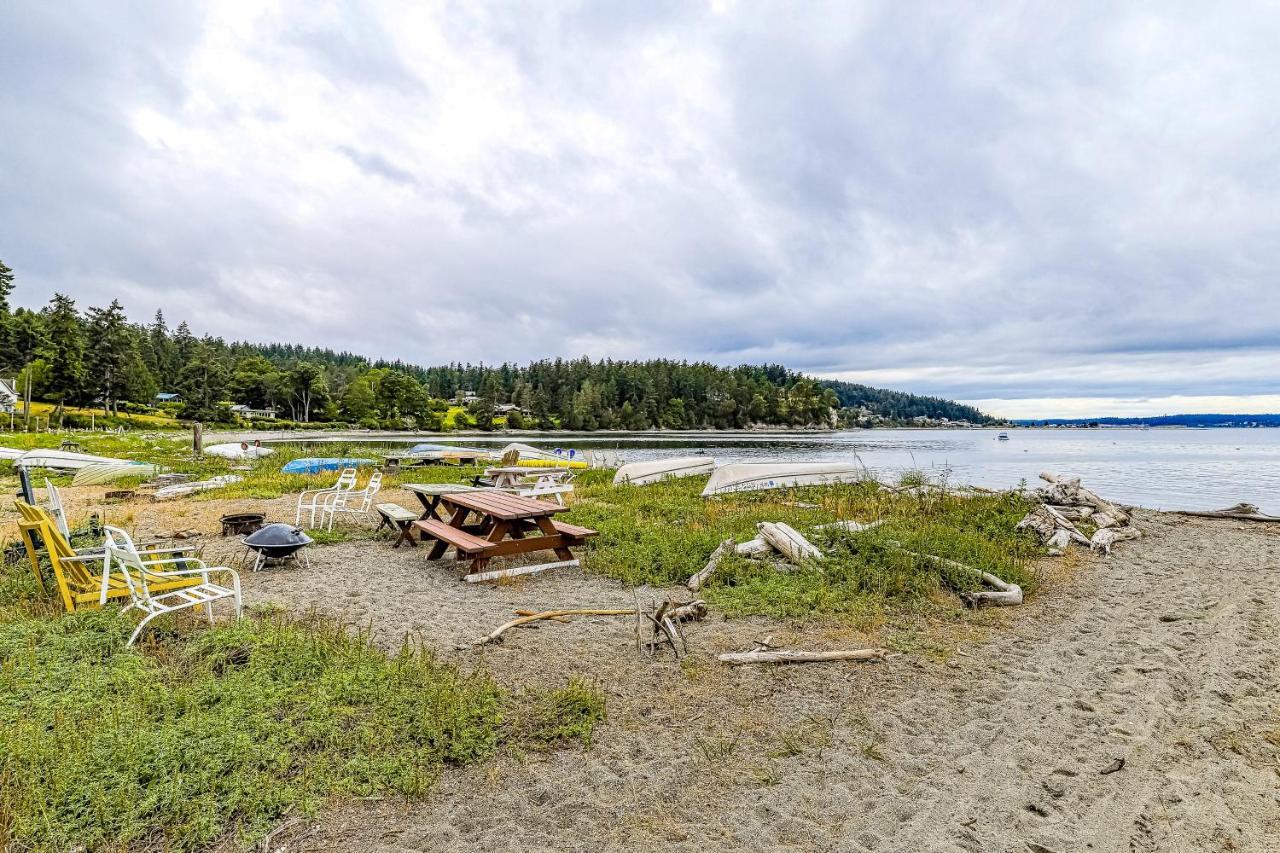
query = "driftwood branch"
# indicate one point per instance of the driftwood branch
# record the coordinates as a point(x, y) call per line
point(695, 583)
point(696, 609)
point(796, 656)
point(752, 547)
point(1241, 511)
point(1067, 490)
point(1108, 536)
point(1006, 594)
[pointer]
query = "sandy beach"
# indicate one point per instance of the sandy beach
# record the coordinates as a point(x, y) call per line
point(991, 736)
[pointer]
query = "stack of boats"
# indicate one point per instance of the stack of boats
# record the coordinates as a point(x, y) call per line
point(739, 476)
point(90, 470)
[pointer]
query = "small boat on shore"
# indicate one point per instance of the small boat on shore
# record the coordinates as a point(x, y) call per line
point(238, 451)
point(63, 460)
point(639, 473)
point(315, 465)
point(751, 476)
point(109, 472)
point(535, 457)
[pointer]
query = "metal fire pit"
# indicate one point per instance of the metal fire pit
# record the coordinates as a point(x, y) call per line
point(237, 524)
point(277, 542)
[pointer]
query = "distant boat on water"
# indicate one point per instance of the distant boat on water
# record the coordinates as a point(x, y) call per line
point(1004, 436)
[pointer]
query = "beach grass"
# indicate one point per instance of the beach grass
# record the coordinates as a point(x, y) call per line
point(661, 534)
point(214, 733)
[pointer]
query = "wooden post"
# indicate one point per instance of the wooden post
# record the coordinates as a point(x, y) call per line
point(26, 423)
point(197, 439)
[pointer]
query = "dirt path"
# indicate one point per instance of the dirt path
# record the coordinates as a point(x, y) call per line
point(1164, 655)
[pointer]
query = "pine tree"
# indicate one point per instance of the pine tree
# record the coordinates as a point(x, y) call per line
point(64, 349)
point(112, 354)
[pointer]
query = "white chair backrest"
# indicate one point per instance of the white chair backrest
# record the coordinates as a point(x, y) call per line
point(55, 508)
point(346, 480)
point(123, 554)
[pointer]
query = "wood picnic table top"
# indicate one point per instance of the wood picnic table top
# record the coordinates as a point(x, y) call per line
point(502, 505)
point(440, 488)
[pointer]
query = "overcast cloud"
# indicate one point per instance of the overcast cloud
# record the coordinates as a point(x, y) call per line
point(1049, 209)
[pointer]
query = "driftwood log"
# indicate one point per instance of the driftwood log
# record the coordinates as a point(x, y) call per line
point(699, 578)
point(797, 656)
point(696, 609)
point(1108, 536)
point(753, 547)
point(851, 526)
point(1241, 511)
point(1067, 490)
point(1005, 595)
point(788, 541)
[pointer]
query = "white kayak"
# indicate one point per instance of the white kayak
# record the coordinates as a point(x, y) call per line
point(639, 473)
point(750, 476)
point(61, 459)
point(10, 452)
point(109, 472)
point(238, 451)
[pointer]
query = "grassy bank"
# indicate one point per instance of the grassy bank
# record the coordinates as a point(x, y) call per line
point(226, 731)
point(660, 534)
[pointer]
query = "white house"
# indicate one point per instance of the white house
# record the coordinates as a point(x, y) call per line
point(8, 398)
point(245, 412)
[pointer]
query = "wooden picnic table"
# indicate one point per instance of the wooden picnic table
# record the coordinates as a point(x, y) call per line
point(429, 494)
point(504, 525)
point(516, 476)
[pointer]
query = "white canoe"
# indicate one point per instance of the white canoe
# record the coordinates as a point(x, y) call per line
point(180, 489)
point(10, 453)
point(235, 451)
point(750, 476)
point(639, 473)
point(62, 459)
point(109, 472)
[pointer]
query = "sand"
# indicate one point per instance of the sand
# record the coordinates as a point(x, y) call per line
point(988, 736)
point(1163, 655)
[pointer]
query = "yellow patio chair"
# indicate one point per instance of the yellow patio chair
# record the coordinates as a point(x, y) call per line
point(84, 578)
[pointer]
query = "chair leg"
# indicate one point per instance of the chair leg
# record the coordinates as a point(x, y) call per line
point(208, 611)
point(138, 630)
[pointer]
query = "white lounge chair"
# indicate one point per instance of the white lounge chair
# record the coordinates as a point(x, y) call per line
point(351, 502)
point(313, 500)
point(123, 556)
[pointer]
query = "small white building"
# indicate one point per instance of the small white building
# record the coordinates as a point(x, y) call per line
point(8, 397)
point(244, 411)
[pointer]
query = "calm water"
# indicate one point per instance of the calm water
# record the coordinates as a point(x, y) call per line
point(1159, 468)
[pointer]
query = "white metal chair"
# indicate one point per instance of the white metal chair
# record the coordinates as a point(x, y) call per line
point(314, 499)
point(350, 501)
point(123, 556)
point(54, 505)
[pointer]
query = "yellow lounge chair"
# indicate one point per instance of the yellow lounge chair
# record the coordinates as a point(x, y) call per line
point(84, 581)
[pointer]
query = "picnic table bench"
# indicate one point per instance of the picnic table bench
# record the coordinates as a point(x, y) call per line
point(504, 525)
point(396, 516)
point(532, 482)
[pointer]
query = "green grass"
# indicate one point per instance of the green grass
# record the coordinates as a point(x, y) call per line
point(226, 731)
point(662, 533)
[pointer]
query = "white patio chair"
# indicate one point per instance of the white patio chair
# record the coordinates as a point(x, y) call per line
point(350, 502)
point(123, 557)
point(54, 505)
point(314, 499)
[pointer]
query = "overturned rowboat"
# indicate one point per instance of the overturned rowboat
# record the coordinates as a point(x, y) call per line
point(752, 476)
point(639, 473)
point(108, 472)
point(63, 460)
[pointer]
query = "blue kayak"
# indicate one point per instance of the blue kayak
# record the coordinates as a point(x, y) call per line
point(314, 465)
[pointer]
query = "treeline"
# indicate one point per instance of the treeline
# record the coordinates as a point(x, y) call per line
point(899, 406)
point(98, 357)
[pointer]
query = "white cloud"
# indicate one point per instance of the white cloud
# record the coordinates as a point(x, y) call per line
point(1009, 205)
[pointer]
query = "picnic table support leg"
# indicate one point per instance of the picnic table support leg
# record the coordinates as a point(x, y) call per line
point(545, 525)
point(406, 535)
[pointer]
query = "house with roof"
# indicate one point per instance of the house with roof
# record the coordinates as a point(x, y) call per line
point(8, 397)
point(168, 397)
point(244, 411)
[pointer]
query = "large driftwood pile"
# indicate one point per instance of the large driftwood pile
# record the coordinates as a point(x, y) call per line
point(1063, 502)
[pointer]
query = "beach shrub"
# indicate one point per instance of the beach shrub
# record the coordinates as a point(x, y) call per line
point(226, 730)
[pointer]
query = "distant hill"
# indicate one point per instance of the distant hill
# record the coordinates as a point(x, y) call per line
point(1163, 420)
point(899, 406)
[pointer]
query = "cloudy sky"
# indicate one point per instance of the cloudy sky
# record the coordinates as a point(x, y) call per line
point(1049, 209)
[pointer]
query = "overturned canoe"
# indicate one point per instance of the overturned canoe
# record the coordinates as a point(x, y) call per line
point(314, 465)
point(179, 489)
point(61, 459)
point(109, 472)
point(639, 473)
point(238, 451)
point(10, 453)
point(750, 476)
